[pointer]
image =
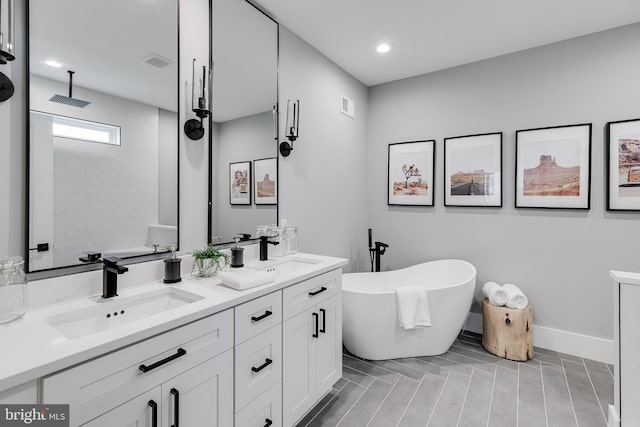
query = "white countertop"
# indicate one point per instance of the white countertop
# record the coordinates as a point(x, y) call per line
point(32, 348)
point(625, 277)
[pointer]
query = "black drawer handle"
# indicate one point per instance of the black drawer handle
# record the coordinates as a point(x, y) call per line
point(181, 352)
point(324, 320)
point(154, 413)
point(266, 363)
point(315, 325)
point(267, 313)
point(176, 407)
point(322, 289)
point(267, 422)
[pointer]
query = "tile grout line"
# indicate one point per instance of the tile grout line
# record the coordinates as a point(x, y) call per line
point(375, 366)
point(544, 396)
point(566, 380)
point(425, 372)
point(466, 393)
point(411, 400)
point(453, 350)
point(369, 375)
point(382, 403)
point(435, 405)
point(331, 400)
point(595, 393)
point(355, 403)
point(493, 386)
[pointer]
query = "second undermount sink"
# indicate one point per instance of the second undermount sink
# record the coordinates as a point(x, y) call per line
point(109, 313)
point(289, 266)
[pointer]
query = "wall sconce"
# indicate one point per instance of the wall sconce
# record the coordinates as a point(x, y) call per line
point(7, 50)
point(194, 128)
point(292, 126)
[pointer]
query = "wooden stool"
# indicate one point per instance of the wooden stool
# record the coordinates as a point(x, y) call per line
point(507, 332)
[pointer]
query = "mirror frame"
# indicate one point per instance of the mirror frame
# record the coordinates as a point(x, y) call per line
point(79, 268)
point(223, 245)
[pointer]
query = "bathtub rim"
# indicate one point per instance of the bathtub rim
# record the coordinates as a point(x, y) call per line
point(389, 273)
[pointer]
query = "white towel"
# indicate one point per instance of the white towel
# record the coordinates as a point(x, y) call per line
point(245, 279)
point(515, 297)
point(497, 296)
point(413, 307)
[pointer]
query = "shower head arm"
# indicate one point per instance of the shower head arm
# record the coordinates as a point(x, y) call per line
point(70, 83)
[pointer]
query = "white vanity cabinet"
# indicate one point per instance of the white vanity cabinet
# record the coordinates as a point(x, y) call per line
point(184, 374)
point(311, 343)
point(22, 394)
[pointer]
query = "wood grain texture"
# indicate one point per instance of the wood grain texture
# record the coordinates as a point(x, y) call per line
point(507, 332)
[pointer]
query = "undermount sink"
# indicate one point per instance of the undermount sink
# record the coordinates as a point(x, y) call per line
point(109, 313)
point(289, 266)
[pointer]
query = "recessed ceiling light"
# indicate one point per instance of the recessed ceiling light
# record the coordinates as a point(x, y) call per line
point(54, 64)
point(383, 48)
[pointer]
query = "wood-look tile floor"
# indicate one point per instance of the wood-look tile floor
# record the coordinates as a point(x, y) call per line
point(467, 386)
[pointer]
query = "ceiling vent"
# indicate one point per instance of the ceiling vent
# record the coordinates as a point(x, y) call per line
point(157, 61)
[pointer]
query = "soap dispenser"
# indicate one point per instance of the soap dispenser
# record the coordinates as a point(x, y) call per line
point(237, 260)
point(172, 268)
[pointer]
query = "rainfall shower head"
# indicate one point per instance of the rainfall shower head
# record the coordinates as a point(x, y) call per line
point(69, 100)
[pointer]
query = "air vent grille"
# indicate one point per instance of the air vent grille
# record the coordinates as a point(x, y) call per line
point(157, 61)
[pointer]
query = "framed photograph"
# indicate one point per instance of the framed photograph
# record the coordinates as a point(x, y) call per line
point(265, 181)
point(410, 174)
point(553, 167)
point(240, 183)
point(473, 170)
point(623, 165)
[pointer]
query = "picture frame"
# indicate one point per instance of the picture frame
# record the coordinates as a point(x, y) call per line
point(240, 183)
point(265, 181)
point(623, 165)
point(553, 167)
point(473, 170)
point(410, 173)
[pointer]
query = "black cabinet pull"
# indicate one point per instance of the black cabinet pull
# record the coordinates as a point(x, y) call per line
point(324, 320)
point(154, 413)
point(181, 352)
point(315, 325)
point(322, 289)
point(267, 422)
point(267, 313)
point(266, 363)
point(176, 407)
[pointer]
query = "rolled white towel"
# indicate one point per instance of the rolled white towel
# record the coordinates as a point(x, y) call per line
point(497, 296)
point(515, 297)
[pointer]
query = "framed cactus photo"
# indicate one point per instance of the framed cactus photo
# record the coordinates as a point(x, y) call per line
point(411, 173)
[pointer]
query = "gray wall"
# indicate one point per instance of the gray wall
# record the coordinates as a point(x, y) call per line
point(322, 186)
point(561, 259)
point(244, 139)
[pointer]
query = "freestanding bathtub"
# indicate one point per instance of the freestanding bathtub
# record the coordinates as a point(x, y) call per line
point(370, 325)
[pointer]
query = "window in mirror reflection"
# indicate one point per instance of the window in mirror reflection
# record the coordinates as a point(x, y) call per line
point(83, 130)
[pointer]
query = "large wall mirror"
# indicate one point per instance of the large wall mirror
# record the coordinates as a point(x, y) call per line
point(245, 97)
point(103, 129)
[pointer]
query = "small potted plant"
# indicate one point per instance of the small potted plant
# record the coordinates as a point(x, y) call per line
point(208, 261)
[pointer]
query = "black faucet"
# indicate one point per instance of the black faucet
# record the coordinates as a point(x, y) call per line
point(264, 241)
point(110, 272)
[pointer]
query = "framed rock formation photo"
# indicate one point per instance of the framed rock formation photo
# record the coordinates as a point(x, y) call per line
point(623, 165)
point(553, 167)
point(410, 173)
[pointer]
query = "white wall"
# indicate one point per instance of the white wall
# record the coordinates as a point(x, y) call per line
point(322, 183)
point(193, 154)
point(167, 168)
point(559, 258)
point(244, 139)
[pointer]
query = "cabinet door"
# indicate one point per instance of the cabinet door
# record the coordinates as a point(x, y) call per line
point(329, 343)
point(202, 396)
point(140, 411)
point(298, 366)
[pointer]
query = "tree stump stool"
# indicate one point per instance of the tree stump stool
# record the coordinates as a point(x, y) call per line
point(507, 332)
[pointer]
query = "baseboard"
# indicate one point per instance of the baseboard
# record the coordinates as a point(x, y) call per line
point(557, 340)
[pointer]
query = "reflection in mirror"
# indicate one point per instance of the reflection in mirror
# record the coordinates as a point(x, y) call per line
point(103, 146)
point(245, 92)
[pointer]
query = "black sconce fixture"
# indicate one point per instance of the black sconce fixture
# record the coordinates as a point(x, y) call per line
point(194, 128)
point(7, 50)
point(293, 125)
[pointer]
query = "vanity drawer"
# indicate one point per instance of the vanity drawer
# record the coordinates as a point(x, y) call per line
point(101, 384)
point(258, 365)
point(257, 316)
point(266, 407)
point(302, 296)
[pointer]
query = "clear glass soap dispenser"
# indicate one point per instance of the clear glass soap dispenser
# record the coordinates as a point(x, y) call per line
point(13, 289)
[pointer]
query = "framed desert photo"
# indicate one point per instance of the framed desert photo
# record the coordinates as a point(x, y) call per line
point(410, 175)
point(553, 167)
point(265, 181)
point(473, 170)
point(240, 183)
point(623, 165)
